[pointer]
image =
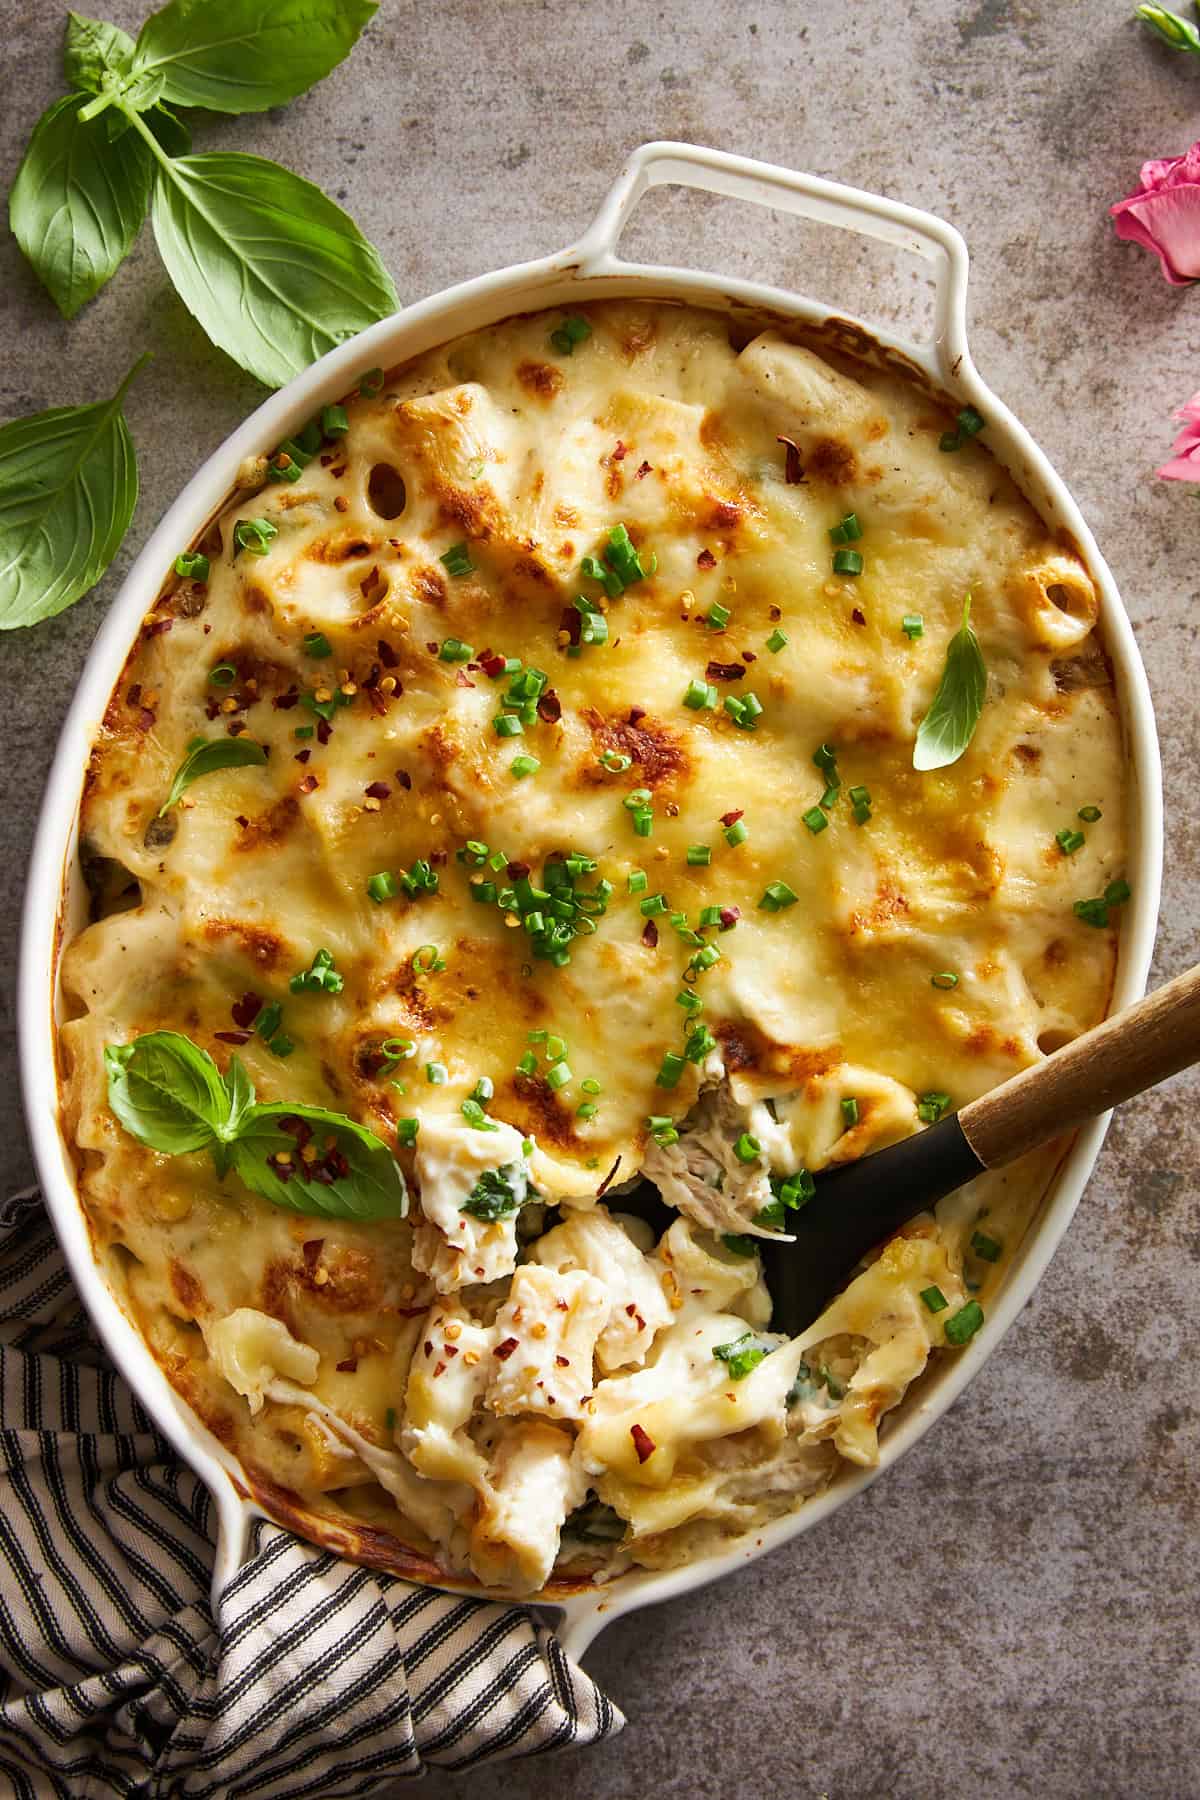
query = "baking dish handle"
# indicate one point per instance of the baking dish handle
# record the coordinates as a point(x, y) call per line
point(806, 196)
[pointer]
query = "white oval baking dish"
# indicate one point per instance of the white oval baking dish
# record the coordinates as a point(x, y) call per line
point(589, 269)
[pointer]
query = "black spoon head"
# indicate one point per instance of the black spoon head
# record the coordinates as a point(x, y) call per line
point(854, 1208)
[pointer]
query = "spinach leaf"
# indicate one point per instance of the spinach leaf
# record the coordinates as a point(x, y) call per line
point(92, 50)
point(205, 758)
point(275, 273)
point(242, 56)
point(68, 487)
point(353, 1175)
point(498, 1194)
point(78, 201)
point(949, 725)
point(167, 1092)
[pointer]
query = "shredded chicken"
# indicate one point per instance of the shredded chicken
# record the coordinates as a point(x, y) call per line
point(701, 1176)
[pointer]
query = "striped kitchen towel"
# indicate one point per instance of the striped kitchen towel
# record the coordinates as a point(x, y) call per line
point(316, 1677)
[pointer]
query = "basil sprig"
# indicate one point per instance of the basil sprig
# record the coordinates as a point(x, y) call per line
point(205, 756)
point(949, 725)
point(68, 487)
point(169, 1094)
point(272, 269)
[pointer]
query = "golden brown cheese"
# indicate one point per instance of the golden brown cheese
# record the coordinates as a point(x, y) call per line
point(659, 421)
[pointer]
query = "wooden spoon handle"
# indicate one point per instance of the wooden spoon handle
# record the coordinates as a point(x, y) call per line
point(1130, 1052)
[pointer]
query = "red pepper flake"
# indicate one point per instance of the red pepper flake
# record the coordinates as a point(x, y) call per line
point(378, 702)
point(246, 1010)
point(349, 1366)
point(650, 935)
point(706, 560)
point(504, 1351)
point(327, 459)
point(324, 731)
point(297, 1128)
point(562, 1362)
point(731, 818)
point(157, 628)
point(516, 871)
point(147, 719)
point(432, 647)
point(302, 756)
point(621, 452)
point(283, 702)
point(859, 616)
point(570, 621)
point(312, 1248)
point(405, 779)
point(724, 671)
point(379, 790)
point(387, 655)
point(242, 820)
point(308, 784)
point(461, 679)
point(134, 696)
point(608, 1179)
point(235, 727)
point(775, 612)
point(642, 472)
point(549, 707)
point(643, 1443)
point(371, 679)
point(793, 468)
point(492, 665)
point(636, 714)
point(437, 858)
point(749, 656)
point(729, 917)
point(233, 1037)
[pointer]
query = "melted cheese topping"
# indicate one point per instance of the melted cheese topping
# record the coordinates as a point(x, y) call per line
point(454, 1380)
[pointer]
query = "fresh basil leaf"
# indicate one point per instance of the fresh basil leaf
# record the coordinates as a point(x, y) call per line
point(92, 50)
point(240, 1089)
point(78, 201)
point(354, 1175)
point(243, 56)
point(949, 725)
point(68, 487)
point(206, 758)
point(275, 273)
point(167, 1092)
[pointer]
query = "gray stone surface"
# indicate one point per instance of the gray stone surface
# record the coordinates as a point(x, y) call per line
point(1012, 1611)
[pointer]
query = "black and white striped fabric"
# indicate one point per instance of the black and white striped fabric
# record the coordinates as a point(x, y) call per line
point(316, 1677)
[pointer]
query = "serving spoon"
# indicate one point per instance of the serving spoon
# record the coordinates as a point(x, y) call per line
point(860, 1204)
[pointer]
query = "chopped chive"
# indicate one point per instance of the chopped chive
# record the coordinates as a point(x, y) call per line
point(334, 422)
point(587, 1110)
point(370, 383)
point(223, 675)
point(616, 760)
point(558, 1075)
point(453, 650)
point(747, 1149)
point(572, 331)
point(912, 625)
point(698, 856)
point(475, 1116)
point(435, 1074)
point(406, 1130)
point(699, 695)
point(741, 1246)
point(961, 1326)
point(848, 532)
point(672, 1068)
point(1069, 841)
point(815, 819)
point(254, 535)
point(776, 896)
point(457, 560)
point(527, 1065)
point(1117, 893)
point(428, 960)
point(192, 565)
point(850, 1111)
point(847, 562)
point(304, 731)
point(700, 1043)
point(661, 1128)
point(506, 725)
point(590, 1085)
point(520, 766)
point(556, 1048)
point(643, 822)
point(736, 833)
point(382, 886)
point(317, 644)
point(717, 617)
point(934, 1299)
point(709, 915)
point(1089, 814)
point(653, 904)
point(931, 1106)
point(945, 978)
point(637, 881)
point(777, 640)
point(986, 1247)
point(691, 1003)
